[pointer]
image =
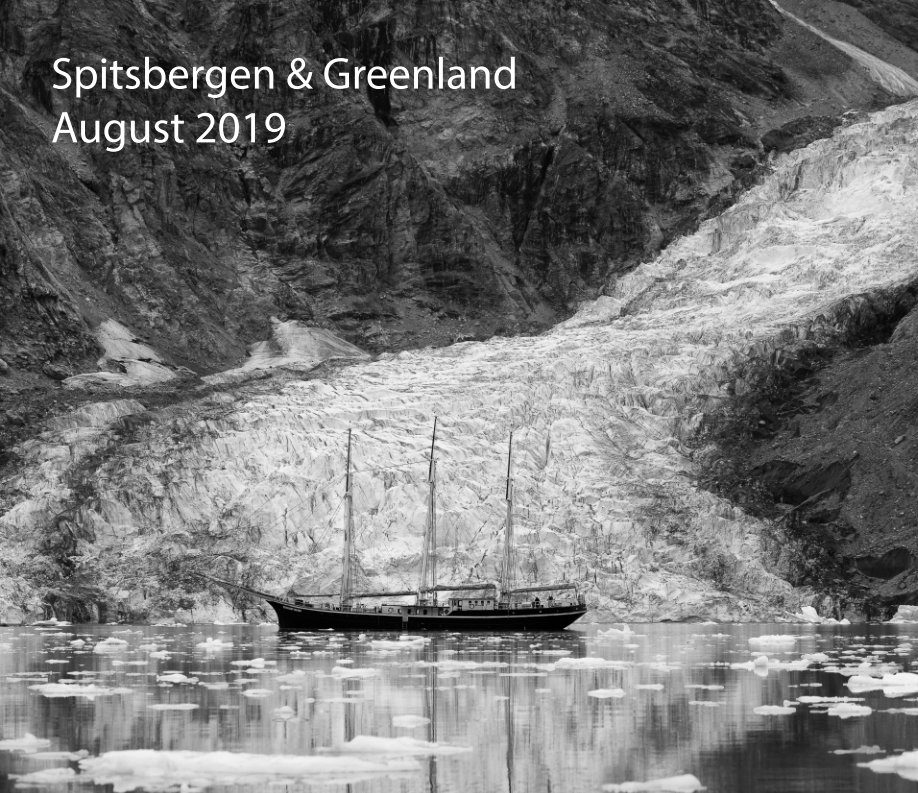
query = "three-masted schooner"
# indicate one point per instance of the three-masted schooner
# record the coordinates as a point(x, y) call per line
point(492, 607)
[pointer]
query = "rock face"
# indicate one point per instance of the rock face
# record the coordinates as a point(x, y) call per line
point(828, 440)
point(607, 409)
point(394, 219)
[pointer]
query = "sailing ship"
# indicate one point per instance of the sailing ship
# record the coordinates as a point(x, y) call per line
point(487, 606)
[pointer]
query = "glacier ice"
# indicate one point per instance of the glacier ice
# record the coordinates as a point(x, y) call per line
point(603, 408)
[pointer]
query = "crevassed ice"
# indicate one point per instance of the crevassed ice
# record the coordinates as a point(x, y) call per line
point(601, 406)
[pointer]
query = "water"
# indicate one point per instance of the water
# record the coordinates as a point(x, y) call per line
point(507, 713)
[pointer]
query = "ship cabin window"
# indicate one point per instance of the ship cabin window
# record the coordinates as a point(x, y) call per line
point(472, 604)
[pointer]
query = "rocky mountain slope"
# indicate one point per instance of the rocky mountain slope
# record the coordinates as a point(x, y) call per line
point(396, 220)
point(405, 220)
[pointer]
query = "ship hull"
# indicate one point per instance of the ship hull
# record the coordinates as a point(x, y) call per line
point(295, 617)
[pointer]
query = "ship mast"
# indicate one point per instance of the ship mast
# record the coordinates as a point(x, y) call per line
point(346, 583)
point(428, 581)
point(506, 573)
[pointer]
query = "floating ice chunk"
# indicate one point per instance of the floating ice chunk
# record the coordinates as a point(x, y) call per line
point(649, 686)
point(173, 706)
point(706, 703)
point(63, 690)
point(212, 645)
point(284, 713)
point(153, 770)
point(809, 614)
point(409, 722)
point(905, 764)
point(847, 710)
point(344, 671)
point(774, 641)
point(686, 783)
point(900, 684)
point(861, 750)
point(254, 663)
point(220, 685)
point(905, 614)
point(606, 693)
point(403, 643)
point(815, 700)
point(296, 676)
point(175, 677)
point(257, 693)
point(751, 666)
point(49, 776)
point(28, 744)
point(77, 644)
point(816, 658)
point(624, 633)
point(590, 662)
point(403, 746)
point(773, 710)
point(160, 654)
point(110, 645)
point(465, 666)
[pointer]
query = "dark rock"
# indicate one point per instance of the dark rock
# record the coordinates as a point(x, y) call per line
point(837, 452)
point(4, 367)
point(798, 133)
point(56, 371)
point(888, 565)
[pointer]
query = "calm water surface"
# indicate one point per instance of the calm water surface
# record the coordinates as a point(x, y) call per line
point(545, 713)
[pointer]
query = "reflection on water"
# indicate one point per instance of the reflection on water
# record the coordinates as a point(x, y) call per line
point(524, 712)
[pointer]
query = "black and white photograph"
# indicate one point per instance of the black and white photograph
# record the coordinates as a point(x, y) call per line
point(459, 396)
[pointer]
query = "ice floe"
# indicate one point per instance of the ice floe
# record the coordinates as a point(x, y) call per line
point(774, 642)
point(774, 710)
point(149, 769)
point(685, 783)
point(905, 765)
point(84, 691)
point(848, 710)
point(861, 750)
point(606, 693)
point(900, 684)
point(110, 646)
point(27, 744)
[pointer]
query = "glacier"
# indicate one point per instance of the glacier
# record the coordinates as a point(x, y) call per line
point(605, 409)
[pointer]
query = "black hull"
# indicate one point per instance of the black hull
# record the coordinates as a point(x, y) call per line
point(294, 617)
